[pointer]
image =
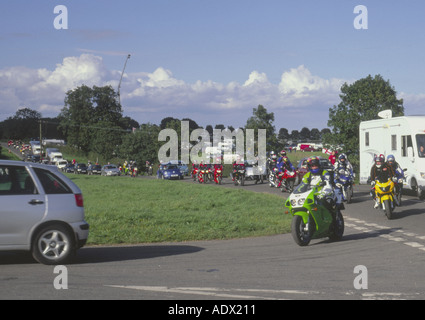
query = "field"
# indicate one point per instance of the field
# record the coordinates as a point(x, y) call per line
point(123, 210)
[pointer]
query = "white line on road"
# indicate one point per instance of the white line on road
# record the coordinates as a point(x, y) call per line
point(218, 292)
point(358, 224)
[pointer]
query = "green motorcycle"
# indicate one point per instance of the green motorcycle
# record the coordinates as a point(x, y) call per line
point(312, 219)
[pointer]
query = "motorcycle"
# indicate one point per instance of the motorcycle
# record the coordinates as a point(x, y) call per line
point(288, 181)
point(345, 184)
point(274, 180)
point(195, 171)
point(239, 176)
point(384, 191)
point(218, 176)
point(311, 217)
point(203, 175)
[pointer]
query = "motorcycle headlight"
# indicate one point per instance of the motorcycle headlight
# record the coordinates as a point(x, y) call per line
point(297, 202)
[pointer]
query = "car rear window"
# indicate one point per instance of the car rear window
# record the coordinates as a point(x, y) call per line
point(16, 180)
point(51, 183)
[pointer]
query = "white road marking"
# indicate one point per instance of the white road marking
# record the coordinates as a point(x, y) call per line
point(364, 226)
point(218, 292)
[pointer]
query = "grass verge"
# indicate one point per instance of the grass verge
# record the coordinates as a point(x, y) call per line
point(125, 210)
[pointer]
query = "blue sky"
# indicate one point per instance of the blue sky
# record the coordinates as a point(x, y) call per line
point(211, 61)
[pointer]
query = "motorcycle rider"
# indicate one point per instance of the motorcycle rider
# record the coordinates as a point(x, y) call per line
point(271, 165)
point(217, 166)
point(237, 165)
point(283, 164)
point(317, 176)
point(399, 175)
point(381, 171)
point(202, 166)
point(341, 168)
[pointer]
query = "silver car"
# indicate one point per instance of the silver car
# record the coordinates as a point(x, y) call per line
point(41, 211)
point(110, 170)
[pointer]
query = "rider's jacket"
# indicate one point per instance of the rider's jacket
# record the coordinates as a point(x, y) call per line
point(398, 171)
point(316, 179)
point(382, 174)
point(282, 165)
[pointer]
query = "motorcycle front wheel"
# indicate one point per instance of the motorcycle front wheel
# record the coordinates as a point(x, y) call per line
point(388, 209)
point(349, 194)
point(338, 228)
point(301, 236)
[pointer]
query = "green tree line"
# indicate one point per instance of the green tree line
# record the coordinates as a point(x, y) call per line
point(92, 120)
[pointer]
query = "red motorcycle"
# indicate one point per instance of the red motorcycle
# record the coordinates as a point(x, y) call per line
point(195, 170)
point(218, 174)
point(287, 180)
point(203, 174)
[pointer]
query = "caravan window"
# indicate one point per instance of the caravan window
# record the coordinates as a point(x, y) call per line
point(406, 142)
point(366, 139)
point(420, 140)
point(393, 142)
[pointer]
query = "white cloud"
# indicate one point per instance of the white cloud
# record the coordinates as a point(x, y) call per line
point(44, 90)
point(151, 96)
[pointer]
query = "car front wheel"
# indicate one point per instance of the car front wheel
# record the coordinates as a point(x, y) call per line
point(53, 245)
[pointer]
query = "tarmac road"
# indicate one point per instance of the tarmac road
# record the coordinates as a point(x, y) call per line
point(376, 259)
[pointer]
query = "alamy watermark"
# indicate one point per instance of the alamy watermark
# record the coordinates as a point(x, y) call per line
point(361, 20)
point(61, 20)
point(61, 281)
point(229, 146)
point(361, 281)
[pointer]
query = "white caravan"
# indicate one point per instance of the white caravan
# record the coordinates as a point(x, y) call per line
point(403, 137)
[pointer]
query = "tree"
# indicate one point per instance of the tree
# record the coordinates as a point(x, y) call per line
point(305, 134)
point(261, 119)
point(88, 110)
point(315, 135)
point(142, 145)
point(295, 135)
point(23, 125)
point(360, 101)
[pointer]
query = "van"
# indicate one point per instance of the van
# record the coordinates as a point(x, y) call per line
point(403, 137)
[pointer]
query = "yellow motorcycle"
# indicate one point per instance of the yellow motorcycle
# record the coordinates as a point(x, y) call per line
point(384, 191)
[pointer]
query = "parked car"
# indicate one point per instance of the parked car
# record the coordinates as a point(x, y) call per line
point(80, 168)
point(110, 170)
point(69, 168)
point(184, 169)
point(61, 164)
point(94, 169)
point(169, 171)
point(41, 212)
point(302, 168)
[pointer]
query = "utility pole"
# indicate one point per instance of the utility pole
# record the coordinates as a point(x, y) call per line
point(122, 74)
point(41, 142)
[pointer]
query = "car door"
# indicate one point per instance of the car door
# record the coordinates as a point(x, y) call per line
point(21, 205)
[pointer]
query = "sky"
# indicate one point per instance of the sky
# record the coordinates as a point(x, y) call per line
point(210, 61)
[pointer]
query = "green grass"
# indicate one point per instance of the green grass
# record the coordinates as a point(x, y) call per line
point(125, 210)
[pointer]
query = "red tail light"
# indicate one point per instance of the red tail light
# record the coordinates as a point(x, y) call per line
point(79, 200)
